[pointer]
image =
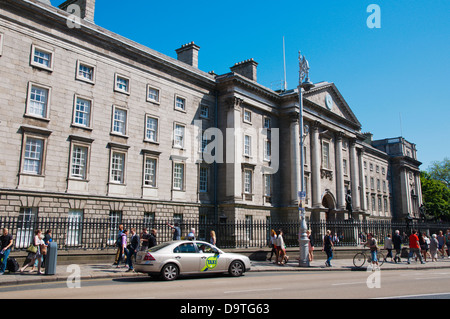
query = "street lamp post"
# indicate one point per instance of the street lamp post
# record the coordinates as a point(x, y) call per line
point(305, 84)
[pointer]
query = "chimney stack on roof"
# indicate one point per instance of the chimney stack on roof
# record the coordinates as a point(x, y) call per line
point(188, 53)
point(246, 68)
point(87, 8)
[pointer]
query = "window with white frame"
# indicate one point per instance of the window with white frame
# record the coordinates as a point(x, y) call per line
point(152, 94)
point(178, 176)
point(74, 227)
point(373, 204)
point(122, 84)
point(82, 112)
point(151, 128)
point(384, 187)
point(248, 177)
point(380, 207)
point(372, 183)
point(267, 150)
point(204, 111)
point(38, 101)
point(267, 185)
point(42, 58)
point(117, 168)
point(180, 103)
point(79, 161)
point(247, 116)
point(33, 155)
point(247, 145)
point(119, 120)
point(344, 166)
point(386, 205)
point(85, 72)
point(203, 179)
point(26, 224)
point(115, 219)
point(178, 135)
point(150, 167)
point(325, 155)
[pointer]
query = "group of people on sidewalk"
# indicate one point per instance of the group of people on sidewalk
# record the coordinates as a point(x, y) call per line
point(126, 251)
point(278, 248)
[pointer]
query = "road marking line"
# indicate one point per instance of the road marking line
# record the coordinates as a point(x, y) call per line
point(412, 296)
point(349, 283)
point(251, 290)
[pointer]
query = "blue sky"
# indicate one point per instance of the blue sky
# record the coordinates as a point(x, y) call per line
point(394, 78)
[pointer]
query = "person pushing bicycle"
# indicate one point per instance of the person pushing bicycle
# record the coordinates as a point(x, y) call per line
point(373, 246)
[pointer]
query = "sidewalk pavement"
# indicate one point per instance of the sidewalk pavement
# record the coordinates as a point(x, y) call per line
point(104, 271)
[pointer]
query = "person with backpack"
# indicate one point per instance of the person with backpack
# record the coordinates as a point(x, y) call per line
point(118, 244)
point(6, 241)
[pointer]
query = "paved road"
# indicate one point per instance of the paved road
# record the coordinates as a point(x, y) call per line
point(427, 283)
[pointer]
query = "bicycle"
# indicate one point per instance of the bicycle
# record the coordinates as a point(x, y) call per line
point(360, 258)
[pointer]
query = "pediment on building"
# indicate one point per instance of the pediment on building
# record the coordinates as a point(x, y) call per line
point(327, 99)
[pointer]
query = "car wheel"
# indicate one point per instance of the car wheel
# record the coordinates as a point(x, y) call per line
point(236, 269)
point(169, 272)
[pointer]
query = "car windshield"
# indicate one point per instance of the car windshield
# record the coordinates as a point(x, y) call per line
point(158, 247)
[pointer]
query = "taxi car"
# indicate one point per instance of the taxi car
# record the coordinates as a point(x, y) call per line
point(171, 259)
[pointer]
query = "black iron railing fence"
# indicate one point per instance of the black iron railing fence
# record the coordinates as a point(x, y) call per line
point(98, 234)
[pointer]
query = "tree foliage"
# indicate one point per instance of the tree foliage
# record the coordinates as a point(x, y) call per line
point(441, 171)
point(436, 196)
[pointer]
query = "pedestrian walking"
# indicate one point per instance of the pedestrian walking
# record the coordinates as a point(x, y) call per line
point(212, 238)
point(434, 244)
point(424, 246)
point(328, 247)
point(414, 247)
point(123, 247)
point(133, 248)
point(310, 245)
point(6, 241)
point(119, 246)
point(388, 247)
point(176, 231)
point(373, 246)
point(397, 242)
point(38, 244)
point(273, 245)
point(152, 241)
point(281, 248)
point(441, 241)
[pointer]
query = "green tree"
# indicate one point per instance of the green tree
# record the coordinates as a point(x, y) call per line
point(440, 171)
point(436, 196)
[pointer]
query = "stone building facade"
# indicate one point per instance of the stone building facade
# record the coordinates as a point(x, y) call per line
point(96, 125)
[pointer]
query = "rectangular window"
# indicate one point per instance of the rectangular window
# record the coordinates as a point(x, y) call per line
point(384, 186)
point(267, 123)
point(372, 183)
point(115, 219)
point(248, 181)
point(178, 135)
point(344, 166)
point(326, 155)
point(180, 103)
point(178, 176)
point(26, 225)
point(152, 94)
point(85, 72)
point(33, 156)
point(203, 187)
point(151, 129)
point(117, 168)
point(204, 111)
point(380, 208)
point(82, 113)
point(247, 145)
point(150, 172)
point(204, 143)
point(122, 84)
point(268, 185)
point(267, 150)
point(38, 101)
point(378, 185)
point(74, 227)
point(119, 121)
point(79, 162)
point(247, 116)
point(42, 58)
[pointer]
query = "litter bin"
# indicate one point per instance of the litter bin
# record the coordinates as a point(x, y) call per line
point(50, 259)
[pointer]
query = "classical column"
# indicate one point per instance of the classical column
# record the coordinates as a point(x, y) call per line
point(354, 176)
point(340, 193)
point(362, 182)
point(234, 149)
point(295, 157)
point(315, 165)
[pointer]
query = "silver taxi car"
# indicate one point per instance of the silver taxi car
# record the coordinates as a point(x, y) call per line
point(171, 259)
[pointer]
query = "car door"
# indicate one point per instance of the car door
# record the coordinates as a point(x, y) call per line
point(188, 257)
point(211, 260)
